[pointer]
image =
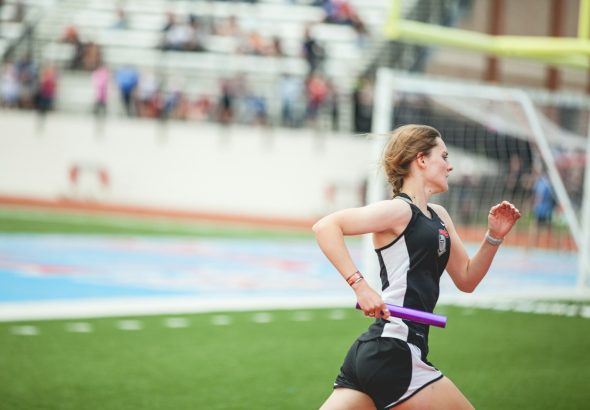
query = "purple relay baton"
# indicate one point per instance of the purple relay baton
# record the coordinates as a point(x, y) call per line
point(415, 315)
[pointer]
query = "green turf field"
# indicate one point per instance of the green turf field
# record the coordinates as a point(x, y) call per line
point(23, 220)
point(501, 360)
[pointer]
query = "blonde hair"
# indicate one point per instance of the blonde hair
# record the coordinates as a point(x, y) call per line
point(404, 144)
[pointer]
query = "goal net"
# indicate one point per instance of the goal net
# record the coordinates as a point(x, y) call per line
point(504, 144)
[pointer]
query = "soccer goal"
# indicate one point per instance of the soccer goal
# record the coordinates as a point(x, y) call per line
point(531, 148)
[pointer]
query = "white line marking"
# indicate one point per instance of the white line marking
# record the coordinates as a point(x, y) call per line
point(302, 316)
point(262, 317)
point(176, 322)
point(221, 320)
point(25, 330)
point(79, 327)
point(129, 325)
point(131, 307)
point(524, 307)
point(337, 315)
point(572, 310)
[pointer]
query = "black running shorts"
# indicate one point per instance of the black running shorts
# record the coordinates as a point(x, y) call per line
point(389, 370)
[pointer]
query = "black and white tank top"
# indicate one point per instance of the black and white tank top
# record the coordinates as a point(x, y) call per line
point(410, 270)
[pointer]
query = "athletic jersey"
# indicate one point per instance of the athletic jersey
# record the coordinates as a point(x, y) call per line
point(411, 267)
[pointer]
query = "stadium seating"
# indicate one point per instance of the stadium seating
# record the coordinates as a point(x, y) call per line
point(138, 43)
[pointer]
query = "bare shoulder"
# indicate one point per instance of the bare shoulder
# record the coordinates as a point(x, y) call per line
point(399, 209)
point(393, 211)
point(397, 216)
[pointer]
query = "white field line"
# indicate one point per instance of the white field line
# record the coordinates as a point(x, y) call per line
point(130, 325)
point(25, 330)
point(562, 309)
point(221, 320)
point(153, 306)
point(176, 322)
point(79, 327)
point(10, 312)
point(262, 317)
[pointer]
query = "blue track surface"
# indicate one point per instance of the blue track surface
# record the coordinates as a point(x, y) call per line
point(78, 270)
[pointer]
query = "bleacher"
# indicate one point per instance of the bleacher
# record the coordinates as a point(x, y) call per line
point(139, 44)
point(14, 22)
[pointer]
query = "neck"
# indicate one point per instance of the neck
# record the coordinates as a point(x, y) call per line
point(418, 195)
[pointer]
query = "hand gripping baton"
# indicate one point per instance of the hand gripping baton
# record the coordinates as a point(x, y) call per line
point(415, 315)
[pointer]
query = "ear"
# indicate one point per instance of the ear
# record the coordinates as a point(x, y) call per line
point(420, 159)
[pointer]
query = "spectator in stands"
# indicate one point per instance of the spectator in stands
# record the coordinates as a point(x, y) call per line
point(177, 37)
point(27, 72)
point(175, 103)
point(9, 86)
point(253, 44)
point(290, 88)
point(148, 95)
point(226, 102)
point(544, 203)
point(275, 48)
point(316, 92)
point(200, 109)
point(47, 89)
point(342, 12)
point(363, 105)
point(313, 52)
point(92, 57)
point(361, 30)
point(228, 27)
point(127, 79)
point(338, 11)
point(71, 36)
point(170, 21)
point(197, 35)
point(121, 19)
point(544, 200)
point(332, 103)
point(100, 83)
point(257, 109)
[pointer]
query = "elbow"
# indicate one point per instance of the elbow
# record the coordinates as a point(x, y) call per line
point(463, 283)
point(467, 289)
point(323, 227)
point(318, 226)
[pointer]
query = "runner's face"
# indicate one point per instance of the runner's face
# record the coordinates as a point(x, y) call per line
point(438, 167)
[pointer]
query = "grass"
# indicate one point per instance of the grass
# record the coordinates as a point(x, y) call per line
point(20, 220)
point(500, 360)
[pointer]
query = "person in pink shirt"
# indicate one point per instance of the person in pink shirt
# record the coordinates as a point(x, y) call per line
point(100, 83)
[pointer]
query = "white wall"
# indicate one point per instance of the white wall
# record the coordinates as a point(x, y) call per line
point(189, 166)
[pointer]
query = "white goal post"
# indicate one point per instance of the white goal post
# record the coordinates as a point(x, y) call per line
point(389, 84)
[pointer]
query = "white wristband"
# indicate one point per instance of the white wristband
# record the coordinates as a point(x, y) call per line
point(493, 241)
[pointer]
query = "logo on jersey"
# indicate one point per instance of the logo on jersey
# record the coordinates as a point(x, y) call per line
point(443, 236)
